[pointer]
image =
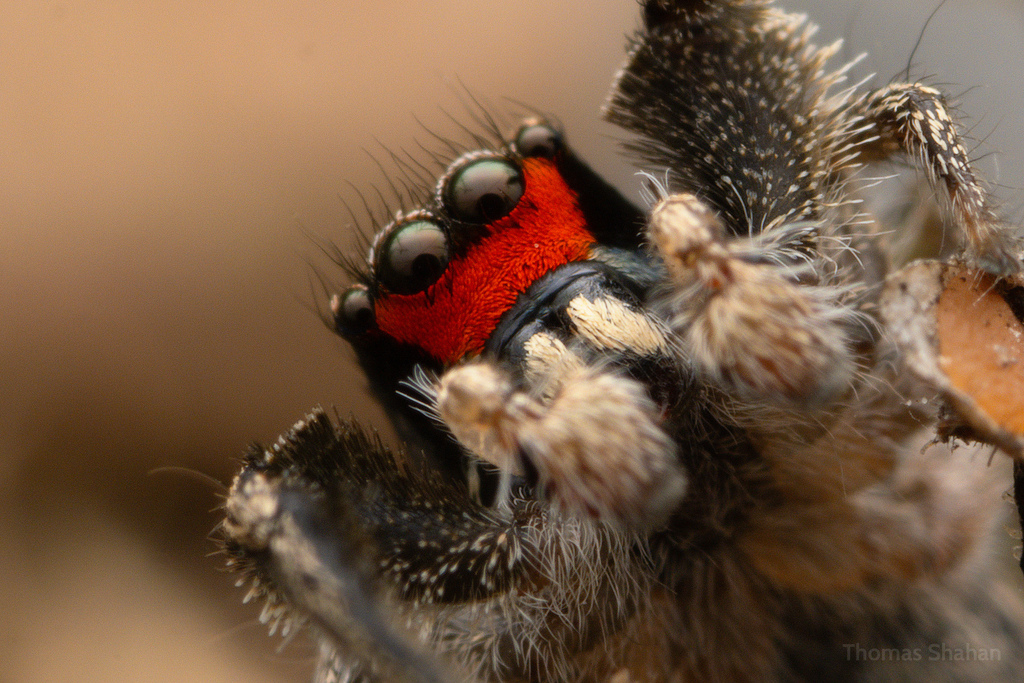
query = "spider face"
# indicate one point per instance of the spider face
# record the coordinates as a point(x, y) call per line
point(693, 434)
point(442, 277)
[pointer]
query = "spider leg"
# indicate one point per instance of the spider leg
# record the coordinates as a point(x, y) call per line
point(595, 446)
point(314, 567)
point(329, 519)
point(913, 120)
point(750, 312)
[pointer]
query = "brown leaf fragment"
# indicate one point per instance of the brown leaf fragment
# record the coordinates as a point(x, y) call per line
point(958, 332)
point(981, 347)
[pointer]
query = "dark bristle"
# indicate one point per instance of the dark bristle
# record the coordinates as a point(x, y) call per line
point(440, 163)
point(478, 141)
point(324, 315)
point(440, 160)
point(375, 219)
point(399, 197)
point(482, 113)
point(920, 37)
point(415, 186)
point(453, 148)
point(362, 236)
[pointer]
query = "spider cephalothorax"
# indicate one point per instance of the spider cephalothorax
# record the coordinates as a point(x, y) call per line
point(685, 444)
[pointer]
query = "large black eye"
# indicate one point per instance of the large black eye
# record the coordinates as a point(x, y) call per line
point(412, 257)
point(484, 190)
point(353, 311)
point(538, 140)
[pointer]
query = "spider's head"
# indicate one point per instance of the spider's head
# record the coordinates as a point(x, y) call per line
point(522, 253)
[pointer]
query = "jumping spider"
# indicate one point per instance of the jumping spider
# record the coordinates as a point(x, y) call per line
point(695, 443)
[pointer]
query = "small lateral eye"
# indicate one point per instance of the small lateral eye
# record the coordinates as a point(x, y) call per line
point(412, 257)
point(538, 140)
point(484, 190)
point(353, 311)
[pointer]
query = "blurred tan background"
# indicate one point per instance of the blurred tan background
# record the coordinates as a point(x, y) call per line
point(162, 167)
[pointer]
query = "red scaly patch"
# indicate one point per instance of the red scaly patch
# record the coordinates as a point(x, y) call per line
point(455, 316)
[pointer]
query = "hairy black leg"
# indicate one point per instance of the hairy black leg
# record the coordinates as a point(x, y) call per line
point(748, 323)
point(913, 120)
point(328, 518)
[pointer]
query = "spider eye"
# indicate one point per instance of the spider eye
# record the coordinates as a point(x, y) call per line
point(353, 311)
point(484, 190)
point(412, 257)
point(538, 140)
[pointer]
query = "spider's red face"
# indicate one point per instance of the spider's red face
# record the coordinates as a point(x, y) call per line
point(446, 299)
point(443, 277)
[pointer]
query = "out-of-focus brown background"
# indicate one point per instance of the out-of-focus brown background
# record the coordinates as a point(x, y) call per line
point(162, 167)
